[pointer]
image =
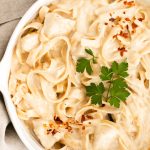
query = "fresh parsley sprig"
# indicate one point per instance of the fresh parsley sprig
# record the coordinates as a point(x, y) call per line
point(113, 87)
point(85, 64)
point(114, 79)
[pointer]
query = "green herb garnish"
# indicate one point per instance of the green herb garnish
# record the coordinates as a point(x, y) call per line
point(114, 80)
point(85, 64)
point(113, 87)
point(95, 92)
point(90, 52)
point(120, 69)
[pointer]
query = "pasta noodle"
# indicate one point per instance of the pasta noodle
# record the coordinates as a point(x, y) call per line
point(49, 94)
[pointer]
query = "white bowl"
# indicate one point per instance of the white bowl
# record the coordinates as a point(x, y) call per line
point(24, 133)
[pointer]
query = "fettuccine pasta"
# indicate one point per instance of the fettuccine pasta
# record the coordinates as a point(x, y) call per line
point(49, 93)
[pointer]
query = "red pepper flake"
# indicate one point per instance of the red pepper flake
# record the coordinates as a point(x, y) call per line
point(115, 36)
point(133, 32)
point(51, 125)
point(124, 12)
point(112, 19)
point(86, 117)
point(123, 34)
point(106, 23)
point(134, 25)
point(117, 20)
point(129, 4)
point(127, 19)
point(54, 131)
point(122, 50)
point(127, 27)
point(69, 128)
point(49, 131)
point(66, 124)
point(83, 118)
point(141, 19)
point(89, 117)
point(57, 120)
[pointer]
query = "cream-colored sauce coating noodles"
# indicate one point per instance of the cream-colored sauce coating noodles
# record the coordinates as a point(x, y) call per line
point(49, 94)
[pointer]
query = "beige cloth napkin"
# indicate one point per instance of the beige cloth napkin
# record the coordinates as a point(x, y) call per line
point(10, 13)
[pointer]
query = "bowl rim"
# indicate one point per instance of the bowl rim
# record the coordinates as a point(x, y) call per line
point(29, 141)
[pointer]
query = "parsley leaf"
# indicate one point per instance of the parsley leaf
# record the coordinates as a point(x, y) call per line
point(114, 102)
point(120, 69)
point(89, 51)
point(106, 73)
point(95, 92)
point(119, 83)
point(117, 95)
point(84, 64)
